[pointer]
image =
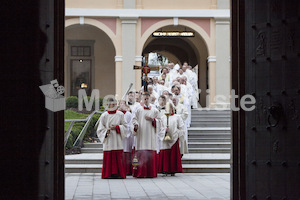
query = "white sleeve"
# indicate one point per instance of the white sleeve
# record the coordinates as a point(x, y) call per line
point(102, 129)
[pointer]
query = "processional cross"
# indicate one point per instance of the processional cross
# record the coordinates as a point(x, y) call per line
point(146, 70)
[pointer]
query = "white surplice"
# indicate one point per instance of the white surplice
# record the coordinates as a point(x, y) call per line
point(114, 140)
point(146, 133)
point(176, 130)
point(128, 140)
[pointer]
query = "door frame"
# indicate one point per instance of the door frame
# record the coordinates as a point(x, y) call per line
point(238, 183)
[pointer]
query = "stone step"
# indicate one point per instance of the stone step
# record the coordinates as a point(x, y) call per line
point(196, 139)
point(209, 144)
point(213, 119)
point(211, 112)
point(212, 132)
point(187, 168)
point(206, 168)
point(209, 150)
point(93, 145)
point(186, 159)
point(91, 150)
point(191, 150)
point(205, 114)
point(210, 124)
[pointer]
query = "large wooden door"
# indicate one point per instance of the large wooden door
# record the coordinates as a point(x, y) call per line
point(269, 70)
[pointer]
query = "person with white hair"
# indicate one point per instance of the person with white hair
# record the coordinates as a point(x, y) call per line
point(161, 87)
point(182, 99)
point(152, 92)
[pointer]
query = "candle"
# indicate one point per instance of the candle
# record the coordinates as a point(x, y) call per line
point(168, 107)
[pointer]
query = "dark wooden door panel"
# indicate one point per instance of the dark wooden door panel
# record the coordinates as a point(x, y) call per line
point(272, 74)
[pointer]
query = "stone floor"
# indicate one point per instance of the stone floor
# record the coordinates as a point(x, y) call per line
point(90, 186)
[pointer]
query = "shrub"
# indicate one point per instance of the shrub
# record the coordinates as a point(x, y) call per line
point(72, 102)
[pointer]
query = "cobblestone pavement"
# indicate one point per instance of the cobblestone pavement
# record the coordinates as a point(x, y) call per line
point(90, 186)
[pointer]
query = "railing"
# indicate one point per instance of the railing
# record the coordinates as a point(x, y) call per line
point(80, 137)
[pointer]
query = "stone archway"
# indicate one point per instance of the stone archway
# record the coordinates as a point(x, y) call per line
point(196, 49)
point(102, 54)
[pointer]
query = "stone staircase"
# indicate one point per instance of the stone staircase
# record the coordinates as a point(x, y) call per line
point(209, 147)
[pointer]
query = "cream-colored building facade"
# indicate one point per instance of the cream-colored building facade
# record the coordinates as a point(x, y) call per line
point(104, 39)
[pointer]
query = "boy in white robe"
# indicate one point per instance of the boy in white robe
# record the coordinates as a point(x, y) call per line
point(146, 120)
point(129, 139)
point(111, 131)
point(169, 155)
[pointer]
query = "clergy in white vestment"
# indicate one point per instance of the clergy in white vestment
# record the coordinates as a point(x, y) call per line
point(146, 121)
point(129, 139)
point(181, 110)
point(169, 155)
point(111, 131)
point(131, 100)
point(183, 100)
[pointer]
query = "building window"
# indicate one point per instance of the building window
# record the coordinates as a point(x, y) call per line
point(80, 51)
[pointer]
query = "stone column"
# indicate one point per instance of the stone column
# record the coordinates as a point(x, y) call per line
point(222, 62)
point(118, 76)
point(211, 82)
point(128, 50)
point(138, 74)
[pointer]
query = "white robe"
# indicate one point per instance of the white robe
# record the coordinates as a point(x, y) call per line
point(128, 140)
point(183, 113)
point(159, 135)
point(114, 140)
point(146, 133)
point(132, 107)
point(176, 130)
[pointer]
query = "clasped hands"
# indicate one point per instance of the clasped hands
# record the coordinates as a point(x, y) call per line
point(111, 127)
point(147, 118)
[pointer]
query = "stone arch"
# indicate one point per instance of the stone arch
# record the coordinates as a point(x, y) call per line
point(100, 26)
point(206, 38)
point(102, 59)
point(201, 52)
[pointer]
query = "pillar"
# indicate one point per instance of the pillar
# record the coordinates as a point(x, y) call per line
point(118, 76)
point(210, 102)
point(222, 63)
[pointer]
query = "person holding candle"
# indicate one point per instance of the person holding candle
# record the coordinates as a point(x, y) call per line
point(169, 155)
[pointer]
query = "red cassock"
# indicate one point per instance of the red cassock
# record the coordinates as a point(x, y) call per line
point(169, 155)
point(128, 163)
point(170, 160)
point(113, 155)
point(147, 164)
point(113, 164)
point(145, 143)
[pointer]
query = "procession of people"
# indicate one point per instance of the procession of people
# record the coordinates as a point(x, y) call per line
point(147, 133)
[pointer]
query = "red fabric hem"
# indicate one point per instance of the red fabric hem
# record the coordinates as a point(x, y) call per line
point(170, 160)
point(113, 164)
point(147, 164)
